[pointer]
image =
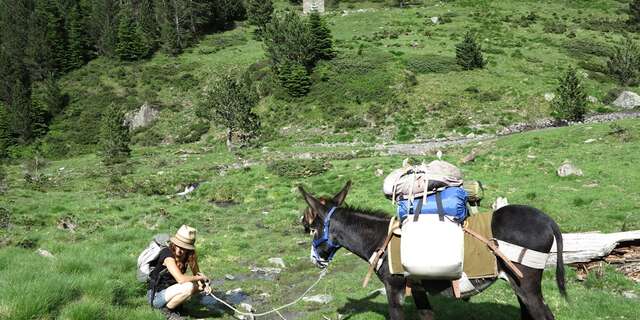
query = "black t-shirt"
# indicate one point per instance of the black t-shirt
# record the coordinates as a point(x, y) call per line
point(160, 277)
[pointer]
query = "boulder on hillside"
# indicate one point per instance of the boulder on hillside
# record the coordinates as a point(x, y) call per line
point(142, 117)
point(627, 100)
point(568, 169)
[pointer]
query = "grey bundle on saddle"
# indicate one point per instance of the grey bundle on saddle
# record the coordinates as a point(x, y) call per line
point(414, 181)
point(148, 258)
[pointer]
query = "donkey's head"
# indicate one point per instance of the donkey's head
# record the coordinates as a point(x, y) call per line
point(316, 219)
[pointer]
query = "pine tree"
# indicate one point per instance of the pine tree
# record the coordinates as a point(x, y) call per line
point(148, 23)
point(229, 102)
point(571, 101)
point(114, 137)
point(22, 115)
point(634, 14)
point(56, 37)
point(287, 38)
point(76, 40)
point(321, 38)
point(294, 78)
point(259, 13)
point(131, 41)
point(5, 131)
point(469, 53)
point(103, 25)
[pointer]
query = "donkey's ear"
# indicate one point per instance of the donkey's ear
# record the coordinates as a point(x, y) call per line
point(338, 199)
point(314, 204)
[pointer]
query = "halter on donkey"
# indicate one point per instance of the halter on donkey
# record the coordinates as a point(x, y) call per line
point(362, 232)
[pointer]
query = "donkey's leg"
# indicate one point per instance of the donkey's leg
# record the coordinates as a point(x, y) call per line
point(422, 302)
point(395, 286)
point(529, 292)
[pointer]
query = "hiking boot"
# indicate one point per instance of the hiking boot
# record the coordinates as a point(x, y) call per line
point(171, 314)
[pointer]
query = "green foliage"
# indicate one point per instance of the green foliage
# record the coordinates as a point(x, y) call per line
point(5, 131)
point(298, 168)
point(570, 103)
point(586, 47)
point(229, 102)
point(469, 53)
point(131, 43)
point(557, 27)
point(287, 39)
point(321, 38)
point(114, 137)
point(294, 78)
point(430, 63)
point(634, 14)
point(259, 13)
point(624, 63)
point(76, 51)
point(50, 95)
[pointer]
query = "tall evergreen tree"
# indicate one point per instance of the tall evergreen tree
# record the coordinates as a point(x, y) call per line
point(131, 43)
point(321, 38)
point(22, 115)
point(287, 38)
point(146, 17)
point(76, 39)
point(259, 13)
point(469, 53)
point(103, 26)
point(5, 131)
point(114, 137)
point(571, 101)
point(56, 37)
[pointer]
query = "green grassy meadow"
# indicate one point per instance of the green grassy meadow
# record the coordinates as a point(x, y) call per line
point(93, 273)
point(247, 207)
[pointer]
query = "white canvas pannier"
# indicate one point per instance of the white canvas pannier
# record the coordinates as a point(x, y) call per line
point(432, 249)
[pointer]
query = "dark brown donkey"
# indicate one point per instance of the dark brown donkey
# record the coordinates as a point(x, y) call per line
point(334, 225)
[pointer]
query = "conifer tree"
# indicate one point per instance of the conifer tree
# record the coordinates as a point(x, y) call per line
point(22, 115)
point(56, 37)
point(571, 101)
point(321, 38)
point(5, 131)
point(259, 13)
point(103, 26)
point(76, 40)
point(287, 38)
point(229, 102)
point(147, 22)
point(294, 78)
point(131, 41)
point(469, 53)
point(114, 137)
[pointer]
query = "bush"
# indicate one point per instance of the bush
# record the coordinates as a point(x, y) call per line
point(298, 168)
point(570, 103)
point(555, 27)
point(584, 47)
point(624, 63)
point(114, 137)
point(469, 53)
point(457, 121)
point(634, 14)
point(192, 132)
point(489, 96)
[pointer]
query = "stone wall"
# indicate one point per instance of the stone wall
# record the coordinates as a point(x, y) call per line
point(311, 5)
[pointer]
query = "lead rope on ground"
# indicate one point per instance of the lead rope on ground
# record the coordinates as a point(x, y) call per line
point(322, 274)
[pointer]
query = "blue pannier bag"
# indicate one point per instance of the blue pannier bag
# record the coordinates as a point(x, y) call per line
point(454, 204)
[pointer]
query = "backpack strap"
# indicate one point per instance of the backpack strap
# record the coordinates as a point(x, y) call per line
point(439, 205)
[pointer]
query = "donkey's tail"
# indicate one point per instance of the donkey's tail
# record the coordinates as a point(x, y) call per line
point(560, 278)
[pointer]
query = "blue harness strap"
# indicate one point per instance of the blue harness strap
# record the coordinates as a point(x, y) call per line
point(325, 235)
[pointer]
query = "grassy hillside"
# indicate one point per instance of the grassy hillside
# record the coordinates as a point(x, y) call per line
point(366, 93)
point(92, 273)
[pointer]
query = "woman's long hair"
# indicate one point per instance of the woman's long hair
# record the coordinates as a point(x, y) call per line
point(188, 258)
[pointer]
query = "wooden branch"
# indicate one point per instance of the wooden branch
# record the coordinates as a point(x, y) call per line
point(585, 247)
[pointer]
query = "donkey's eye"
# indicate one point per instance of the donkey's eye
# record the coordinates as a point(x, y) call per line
point(313, 231)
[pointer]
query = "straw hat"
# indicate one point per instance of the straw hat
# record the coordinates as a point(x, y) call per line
point(185, 237)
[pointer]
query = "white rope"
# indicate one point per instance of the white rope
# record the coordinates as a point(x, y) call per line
point(322, 274)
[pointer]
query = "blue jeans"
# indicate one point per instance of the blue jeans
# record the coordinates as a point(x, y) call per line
point(159, 300)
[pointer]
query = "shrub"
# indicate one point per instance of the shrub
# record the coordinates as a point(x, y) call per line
point(298, 168)
point(570, 103)
point(457, 121)
point(469, 53)
point(489, 96)
point(259, 13)
point(583, 47)
point(624, 63)
point(555, 27)
point(114, 137)
point(192, 132)
point(634, 14)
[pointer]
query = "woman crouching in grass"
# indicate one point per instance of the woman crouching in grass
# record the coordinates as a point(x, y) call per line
point(169, 286)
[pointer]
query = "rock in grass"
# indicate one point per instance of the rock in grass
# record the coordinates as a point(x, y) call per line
point(45, 253)
point(549, 96)
point(321, 299)
point(278, 262)
point(142, 117)
point(627, 100)
point(568, 169)
point(630, 295)
point(229, 277)
point(435, 20)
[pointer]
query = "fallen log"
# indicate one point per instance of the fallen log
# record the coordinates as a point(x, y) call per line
point(590, 246)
